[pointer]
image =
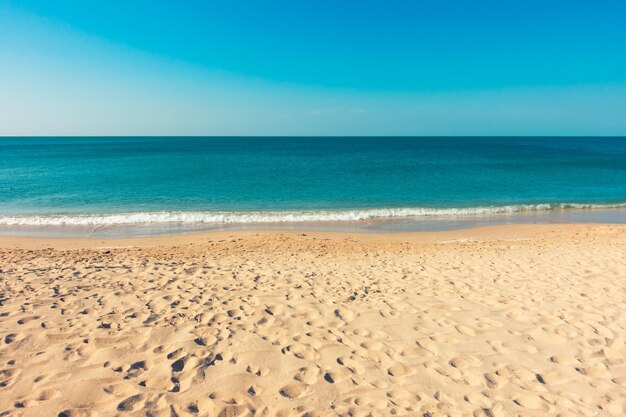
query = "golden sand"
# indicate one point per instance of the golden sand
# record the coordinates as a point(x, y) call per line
point(499, 321)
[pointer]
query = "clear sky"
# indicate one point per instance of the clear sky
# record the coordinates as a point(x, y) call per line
point(433, 67)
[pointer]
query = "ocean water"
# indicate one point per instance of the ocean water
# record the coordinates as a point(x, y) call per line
point(162, 183)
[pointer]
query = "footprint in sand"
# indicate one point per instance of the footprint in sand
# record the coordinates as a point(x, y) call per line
point(293, 390)
point(379, 383)
point(389, 313)
point(465, 330)
point(206, 340)
point(25, 320)
point(494, 380)
point(553, 377)
point(564, 359)
point(26, 403)
point(376, 403)
point(414, 351)
point(158, 383)
point(234, 411)
point(478, 399)
point(301, 351)
point(254, 390)
point(258, 371)
point(372, 345)
point(598, 370)
point(77, 412)
point(361, 332)
point(403, 398)
point(8, 375)
point(446, 339)
point(519, 346)
point(352, 365)
point(345, 314)
point(400, 370)
point(48, 394)
point(543, 335)
point(620, 380)
point(465, 361)
point(308, 376)
point(532, 402)
point(371, 355)
point(337, 375)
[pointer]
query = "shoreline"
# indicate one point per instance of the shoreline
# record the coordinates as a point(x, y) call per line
point(613, 215)
point(499, 232)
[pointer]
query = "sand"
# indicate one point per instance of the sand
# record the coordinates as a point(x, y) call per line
point(497, 321)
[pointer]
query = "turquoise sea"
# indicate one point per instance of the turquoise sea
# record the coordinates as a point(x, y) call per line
point(150, 184)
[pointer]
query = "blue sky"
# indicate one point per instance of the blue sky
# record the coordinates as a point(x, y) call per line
point(312, 67)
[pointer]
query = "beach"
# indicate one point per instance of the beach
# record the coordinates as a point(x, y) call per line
point(511, 320)
point(334, 209)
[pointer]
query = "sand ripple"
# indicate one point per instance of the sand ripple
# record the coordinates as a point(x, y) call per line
point(282, 324)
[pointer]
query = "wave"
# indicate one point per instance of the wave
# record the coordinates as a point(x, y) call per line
point(234, 217)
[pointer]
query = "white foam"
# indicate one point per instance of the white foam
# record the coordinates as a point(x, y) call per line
point(217, 217)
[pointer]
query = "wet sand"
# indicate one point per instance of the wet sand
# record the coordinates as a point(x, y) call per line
point(521, 320)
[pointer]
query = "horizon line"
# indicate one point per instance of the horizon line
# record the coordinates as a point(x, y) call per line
point(312, 136)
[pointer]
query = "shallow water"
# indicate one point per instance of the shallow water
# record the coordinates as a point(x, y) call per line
point(156, 185)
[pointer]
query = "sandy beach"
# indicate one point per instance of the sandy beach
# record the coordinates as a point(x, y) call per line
point(495, 321)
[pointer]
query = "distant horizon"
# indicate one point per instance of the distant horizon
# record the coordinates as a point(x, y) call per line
point(317, 136)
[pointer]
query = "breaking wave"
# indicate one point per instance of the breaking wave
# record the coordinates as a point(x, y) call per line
point(234, 217)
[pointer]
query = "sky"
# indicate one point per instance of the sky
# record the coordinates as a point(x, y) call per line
point(430, 67)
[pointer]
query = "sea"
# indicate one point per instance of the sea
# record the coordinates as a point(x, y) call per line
point(133, 186)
